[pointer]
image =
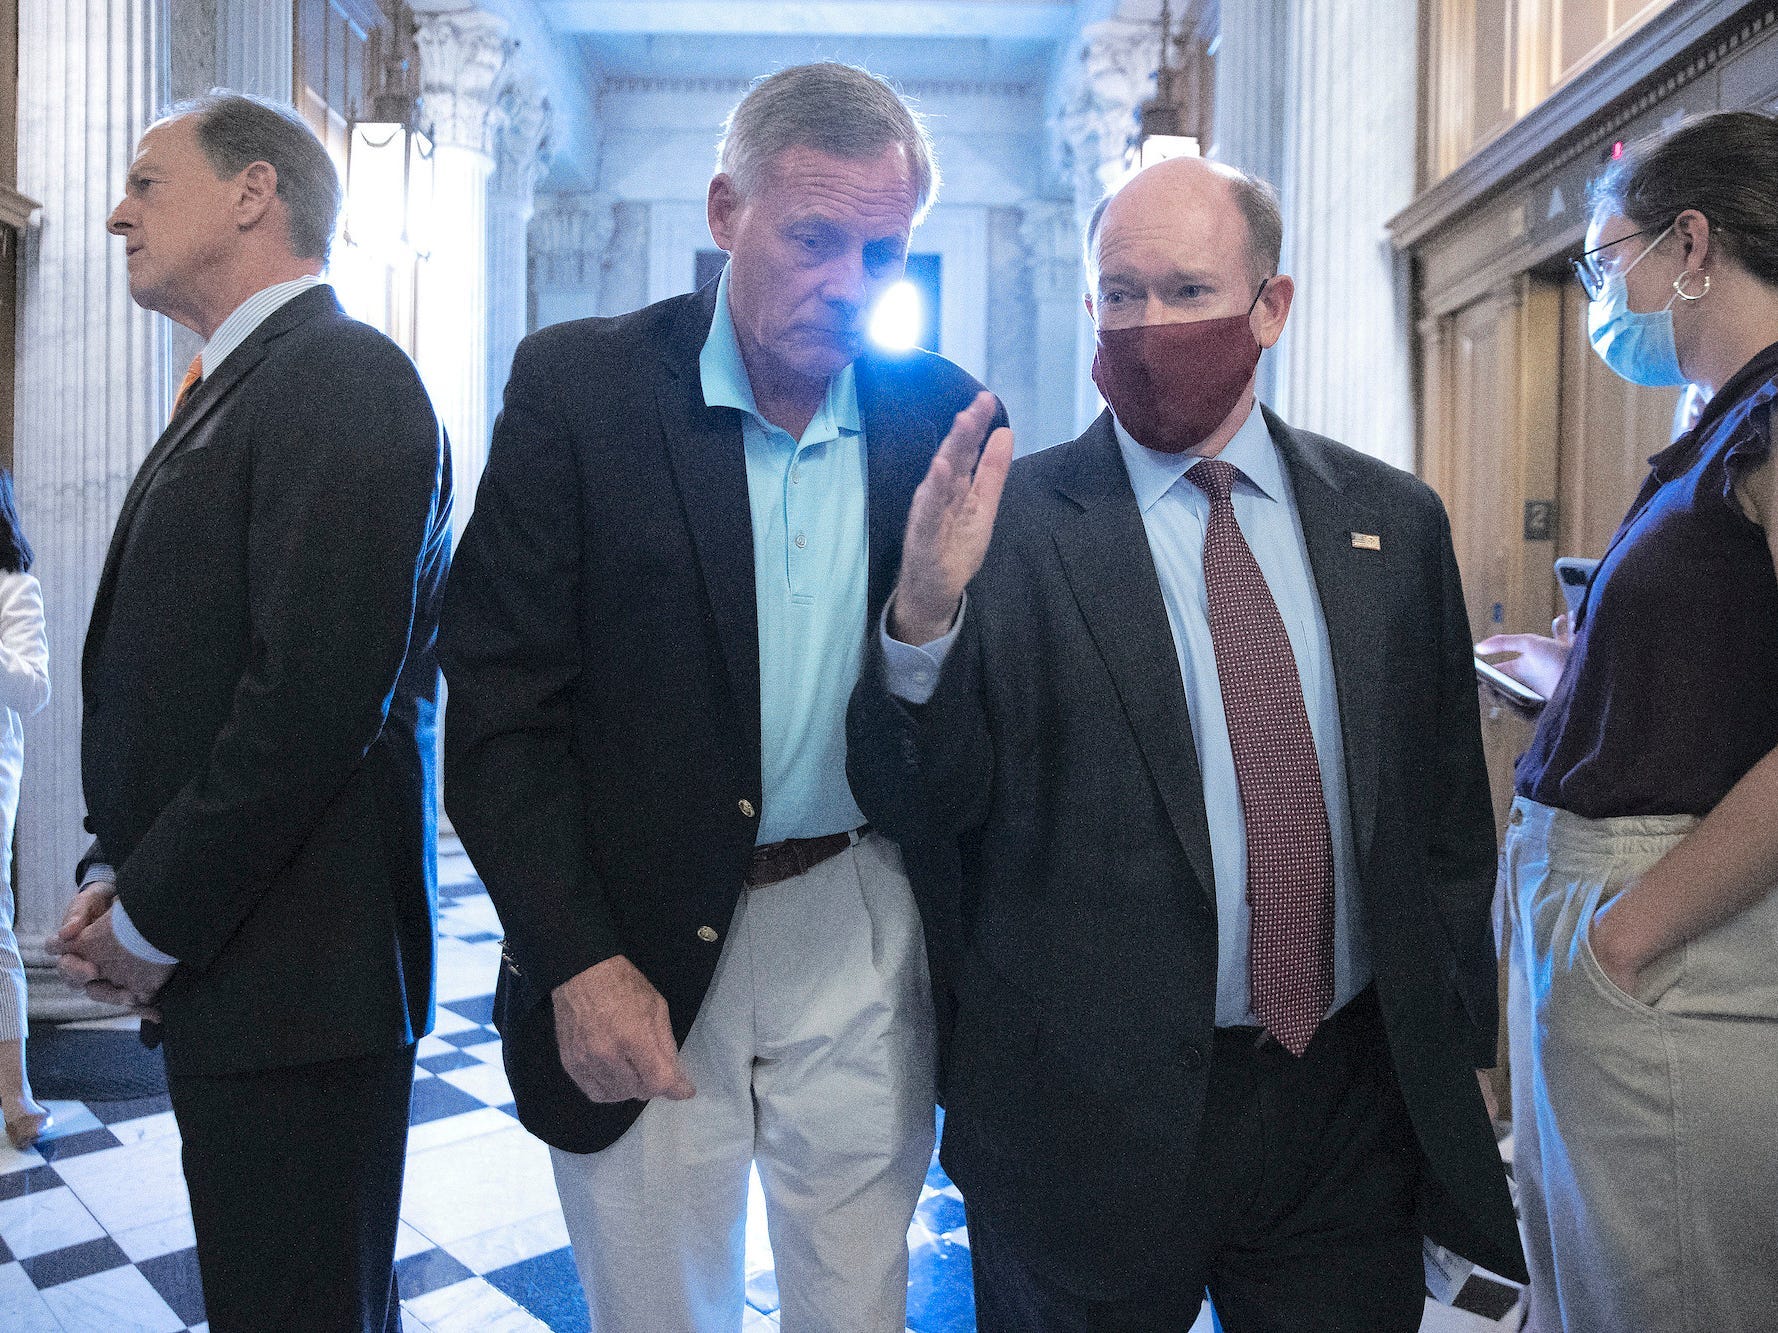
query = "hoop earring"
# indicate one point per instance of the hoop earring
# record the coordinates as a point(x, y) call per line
point(1679, 285)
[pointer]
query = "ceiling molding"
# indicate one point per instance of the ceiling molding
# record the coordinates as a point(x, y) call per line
point(1039, 20)
point(736, 87)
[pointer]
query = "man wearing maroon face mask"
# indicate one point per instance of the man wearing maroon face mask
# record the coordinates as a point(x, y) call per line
point(1204, 739)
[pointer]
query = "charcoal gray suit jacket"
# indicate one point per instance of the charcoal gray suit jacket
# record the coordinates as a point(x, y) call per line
point(258, 744)
point(1078, 939)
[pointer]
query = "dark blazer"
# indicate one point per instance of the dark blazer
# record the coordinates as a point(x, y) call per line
point(259, 686)
point(601, 644)
point(1080, 937)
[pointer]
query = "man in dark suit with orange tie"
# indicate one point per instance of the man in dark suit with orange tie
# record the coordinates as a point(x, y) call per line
point(258, 743)
point(1204, 737)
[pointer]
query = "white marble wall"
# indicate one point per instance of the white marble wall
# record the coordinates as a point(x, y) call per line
point(93, 392)
point(1321, 97)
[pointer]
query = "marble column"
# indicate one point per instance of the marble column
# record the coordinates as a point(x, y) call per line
point(92, 394)
point(1339, 78)
point(255, 47)
point(1252, 54)
point(521, 156)
point(462, 57)
point(1091, 133)
point(570, 247)
point(1051, 238)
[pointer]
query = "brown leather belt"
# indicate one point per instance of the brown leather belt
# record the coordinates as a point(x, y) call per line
point(796, 856)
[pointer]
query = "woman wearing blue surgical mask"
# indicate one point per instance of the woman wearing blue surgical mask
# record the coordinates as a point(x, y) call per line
point(1642, 852)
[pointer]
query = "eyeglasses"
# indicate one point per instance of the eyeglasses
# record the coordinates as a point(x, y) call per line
point(1586, 268)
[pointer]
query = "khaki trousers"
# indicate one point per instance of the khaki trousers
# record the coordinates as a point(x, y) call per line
point(1645, 1127)
point(812, 1056)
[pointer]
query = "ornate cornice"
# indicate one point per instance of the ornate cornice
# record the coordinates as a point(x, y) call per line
point(1637, 74)
point(737, 88)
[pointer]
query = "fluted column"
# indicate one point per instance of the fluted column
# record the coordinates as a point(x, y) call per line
point(521, 155)
point(1091, 134)
point(255, 50)
point(92, 394)
point(1051, 239)
point(1253, 51)
point(462, 56)
point(1344, 366)
point(570, 248)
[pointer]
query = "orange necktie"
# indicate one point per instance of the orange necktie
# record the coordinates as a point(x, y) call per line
point(193, 373)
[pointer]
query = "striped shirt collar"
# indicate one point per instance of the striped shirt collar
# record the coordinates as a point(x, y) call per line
point(249, 315)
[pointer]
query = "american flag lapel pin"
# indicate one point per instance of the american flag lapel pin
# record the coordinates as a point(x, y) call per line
point(1367, 541)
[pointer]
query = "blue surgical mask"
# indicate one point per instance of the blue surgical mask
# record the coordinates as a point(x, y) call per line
point(1638, 347)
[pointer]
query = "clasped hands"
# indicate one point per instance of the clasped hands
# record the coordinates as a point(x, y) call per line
point(89, 955)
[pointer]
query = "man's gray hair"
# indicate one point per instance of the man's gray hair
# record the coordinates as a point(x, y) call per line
point(841, 110)
point(236, 130)
point(1258, 202)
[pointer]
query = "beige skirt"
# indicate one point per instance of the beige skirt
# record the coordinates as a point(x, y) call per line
point(1645, 1127)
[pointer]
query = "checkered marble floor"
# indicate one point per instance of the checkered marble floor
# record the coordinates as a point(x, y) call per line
point(95, 1228)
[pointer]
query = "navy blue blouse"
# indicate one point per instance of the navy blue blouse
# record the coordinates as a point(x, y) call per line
point(1671, 692)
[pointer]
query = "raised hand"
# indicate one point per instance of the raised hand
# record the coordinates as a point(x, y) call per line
point(949, 524)
point(615, 1037)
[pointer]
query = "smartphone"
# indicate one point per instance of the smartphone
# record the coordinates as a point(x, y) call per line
point(1516, 693)
point(1572, 576)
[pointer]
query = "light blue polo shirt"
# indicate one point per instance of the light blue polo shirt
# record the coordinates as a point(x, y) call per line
point(811, 570)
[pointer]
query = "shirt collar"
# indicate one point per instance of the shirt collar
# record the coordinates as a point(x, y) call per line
point(724, 377)
point(1153, 473)
point(249, 315)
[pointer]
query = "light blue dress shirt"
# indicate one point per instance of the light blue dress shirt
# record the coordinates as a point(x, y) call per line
point(811, 571)
point(1174, 514)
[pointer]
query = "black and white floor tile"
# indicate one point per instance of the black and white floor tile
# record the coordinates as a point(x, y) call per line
point(95, 1228)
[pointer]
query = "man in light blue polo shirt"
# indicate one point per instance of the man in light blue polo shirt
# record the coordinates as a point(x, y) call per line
point(689, 517)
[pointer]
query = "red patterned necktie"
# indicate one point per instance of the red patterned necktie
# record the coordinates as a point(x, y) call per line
point(1290, 888)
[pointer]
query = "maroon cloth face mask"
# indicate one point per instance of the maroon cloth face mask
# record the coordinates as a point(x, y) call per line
point(1171, 385)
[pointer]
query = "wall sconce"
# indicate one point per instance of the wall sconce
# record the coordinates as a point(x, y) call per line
point(389, 173)
point(1162, 130)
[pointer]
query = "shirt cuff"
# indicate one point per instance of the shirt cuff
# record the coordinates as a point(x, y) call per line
point(912, 669)
point(99, 873)
point(131, 938)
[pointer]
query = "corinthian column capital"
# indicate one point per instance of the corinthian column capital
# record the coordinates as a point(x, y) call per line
point(462, 56)
point(521, 140)
point(571, 237)
point(1113, 75)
